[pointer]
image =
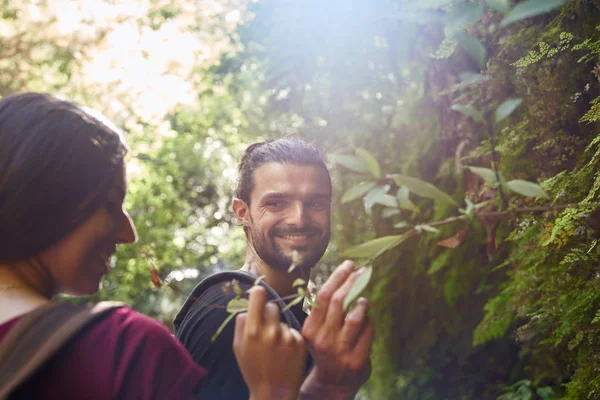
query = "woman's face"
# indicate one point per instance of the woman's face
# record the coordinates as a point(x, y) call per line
point(79, 260)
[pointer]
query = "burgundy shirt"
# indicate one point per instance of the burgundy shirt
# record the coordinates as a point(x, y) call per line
point(123, 356)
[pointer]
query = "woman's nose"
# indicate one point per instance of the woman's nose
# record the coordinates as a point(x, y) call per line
point(126, 233)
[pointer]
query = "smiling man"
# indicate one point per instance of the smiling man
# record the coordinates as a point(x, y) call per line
point(283, 202)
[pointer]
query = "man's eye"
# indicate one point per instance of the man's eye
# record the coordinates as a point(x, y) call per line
point(318, 205)
point(275, 204)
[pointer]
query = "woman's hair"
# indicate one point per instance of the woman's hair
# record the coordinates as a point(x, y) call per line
point(57, 163)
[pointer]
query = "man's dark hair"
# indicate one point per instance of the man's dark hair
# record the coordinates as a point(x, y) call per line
point(280, 151)
point(57, 163)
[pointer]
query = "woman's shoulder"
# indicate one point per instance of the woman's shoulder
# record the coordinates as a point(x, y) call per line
point(132, 336)
point(126, 321)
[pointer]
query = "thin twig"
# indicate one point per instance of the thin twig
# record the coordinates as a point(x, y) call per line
point(512, 211)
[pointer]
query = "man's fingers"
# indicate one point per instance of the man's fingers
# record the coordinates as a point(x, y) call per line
point(354, 324)
point(363, 344)
point(335, 313)
point(238, 335)
point(271, 314)
point(318, 314)
point(256, 310)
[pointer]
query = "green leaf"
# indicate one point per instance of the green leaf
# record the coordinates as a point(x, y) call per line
point(545, 393)
point(461, 16)
point(525, 188)
point(486, 173)
point(473, 46)
point(237, 305)
point(371, 162)
point(422, 188)
point(297, 299)
point(440, 262)
point(236, 288)
point(386, 200)
point(531, 8)
point(296, 260)
point(375, 247)
point(401, 225)
point(426, 228)
point(359, 285)
point(404, 200)
point(389, 212)
point(502, 6)
point(374, 194)
point(506, 108)
point(469, 78)
point(357, 191)
point(258, 280)
point(299, 282)
point(469, 111)
point(350, 162)
point(223, 325)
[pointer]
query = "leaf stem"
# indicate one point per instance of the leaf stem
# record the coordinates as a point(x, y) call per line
point(495, 161)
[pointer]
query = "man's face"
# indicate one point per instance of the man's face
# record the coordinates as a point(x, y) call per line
point(289, 210)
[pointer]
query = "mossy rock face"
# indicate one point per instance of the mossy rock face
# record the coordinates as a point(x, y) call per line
point(536, 318)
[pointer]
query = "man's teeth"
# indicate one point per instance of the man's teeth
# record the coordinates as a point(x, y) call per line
point(295, 237)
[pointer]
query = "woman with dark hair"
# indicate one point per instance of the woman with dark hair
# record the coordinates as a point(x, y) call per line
point(62, 186)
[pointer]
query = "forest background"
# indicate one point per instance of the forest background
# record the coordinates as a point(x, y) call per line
point(463, 135)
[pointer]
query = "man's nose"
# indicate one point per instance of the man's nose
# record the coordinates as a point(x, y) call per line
point(297, 215)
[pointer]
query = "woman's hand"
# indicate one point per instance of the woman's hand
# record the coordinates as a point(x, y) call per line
point(271, 355)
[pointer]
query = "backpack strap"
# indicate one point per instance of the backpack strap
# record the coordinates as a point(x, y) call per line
point(228, 276)
point(39, 335)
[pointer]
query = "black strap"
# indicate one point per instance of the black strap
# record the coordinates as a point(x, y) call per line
point(227, 276)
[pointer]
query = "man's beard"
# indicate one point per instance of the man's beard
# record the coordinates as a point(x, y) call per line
point(268, 250)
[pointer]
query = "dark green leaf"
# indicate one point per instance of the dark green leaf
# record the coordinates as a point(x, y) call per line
point(506, 108)
point(357, 191)
point(375, 247)
point(473, 46)
point(440, 262)
point(486, 173)
point(545, 393)
point(422, 188)
point(468, 110)
point(359, 285)
point(371, 162)
point(502, 6)
point(531, 8)
point(525, 188)
point(461, 16)
point(350, 162)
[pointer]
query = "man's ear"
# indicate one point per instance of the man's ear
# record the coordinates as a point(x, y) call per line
point(241, 211)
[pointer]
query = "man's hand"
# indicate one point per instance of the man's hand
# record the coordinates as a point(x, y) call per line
point(271, 355)
point(340, 344)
